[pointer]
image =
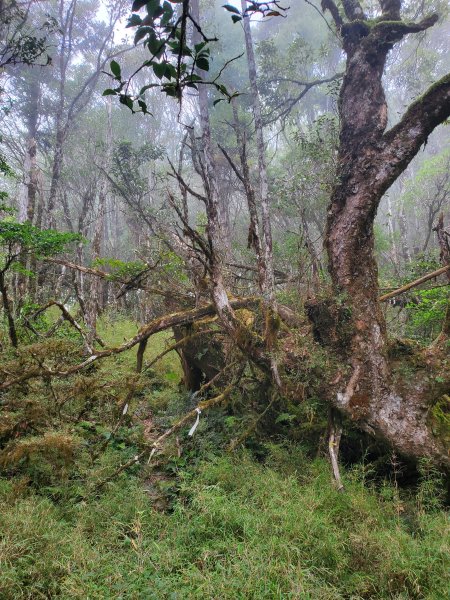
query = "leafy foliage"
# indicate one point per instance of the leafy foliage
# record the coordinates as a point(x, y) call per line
point(175, 63)
point(18, 238)
point(20, 42)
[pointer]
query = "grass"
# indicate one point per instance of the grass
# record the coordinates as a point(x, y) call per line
point(115, 331)
point(239, 530)
point(236, 527)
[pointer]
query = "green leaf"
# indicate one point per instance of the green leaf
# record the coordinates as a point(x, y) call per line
point(199, 47)
point(126, 100)
point(141, 33)
point(134, 21)
point(168, 13)
point(115, 69)
point(202, 63)
point(109, 92)
point(152, 7)
point(155, 45)
point(138, 4)
point(159, 69)
point(147, 87)
point(143, 106)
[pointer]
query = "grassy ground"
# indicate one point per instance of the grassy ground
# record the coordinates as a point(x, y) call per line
point(239, 530)
point(236, 527)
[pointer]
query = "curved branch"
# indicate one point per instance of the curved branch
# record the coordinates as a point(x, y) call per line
point(160, 324)
point(394, 31)
point(403, 141)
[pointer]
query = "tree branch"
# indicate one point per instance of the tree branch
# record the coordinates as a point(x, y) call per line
point(403, 141)
point(334, 11)
point(353, 10)
point(414, 284)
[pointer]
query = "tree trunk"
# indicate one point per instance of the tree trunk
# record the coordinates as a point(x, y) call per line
point(266, 266)
point(268, 274)
point(93, 302)
point(8, 311)
point(370, 159)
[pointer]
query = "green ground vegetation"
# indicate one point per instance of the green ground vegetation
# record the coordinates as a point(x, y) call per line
point(262, 522)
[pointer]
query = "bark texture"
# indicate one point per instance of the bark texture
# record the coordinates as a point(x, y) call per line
point(370, 160)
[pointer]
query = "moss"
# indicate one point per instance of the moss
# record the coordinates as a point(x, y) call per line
point(443, 81)
point(439, 419)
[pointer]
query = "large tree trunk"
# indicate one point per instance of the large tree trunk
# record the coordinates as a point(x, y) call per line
point(369, 161)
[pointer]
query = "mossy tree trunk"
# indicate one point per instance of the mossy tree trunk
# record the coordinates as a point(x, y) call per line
point(370, 160)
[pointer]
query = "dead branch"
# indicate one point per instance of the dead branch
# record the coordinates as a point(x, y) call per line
point(415, 283)
point(150, 450)
point(186, 317)
point(113, 279)
point(212, 381)
point(334, 440)
point(67, 317)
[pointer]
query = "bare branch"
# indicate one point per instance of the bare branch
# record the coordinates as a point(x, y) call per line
point(414, 284)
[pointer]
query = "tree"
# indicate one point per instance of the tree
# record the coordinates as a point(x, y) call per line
point(370, 159)
point(21, 43)
point(22, 239)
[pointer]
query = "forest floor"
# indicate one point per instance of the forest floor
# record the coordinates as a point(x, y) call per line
point(264, 522)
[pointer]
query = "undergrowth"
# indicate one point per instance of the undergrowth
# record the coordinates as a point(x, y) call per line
point(260, 523)
point(238, 530)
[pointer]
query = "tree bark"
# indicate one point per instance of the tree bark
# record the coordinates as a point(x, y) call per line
point(369, 161)
point(8, 310)
point(444, 245)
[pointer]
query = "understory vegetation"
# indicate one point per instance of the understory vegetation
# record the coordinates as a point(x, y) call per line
point(201, 520)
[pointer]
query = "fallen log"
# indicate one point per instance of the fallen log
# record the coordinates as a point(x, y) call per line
point(160, 324)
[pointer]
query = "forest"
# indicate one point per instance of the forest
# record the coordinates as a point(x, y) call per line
point(224, 299)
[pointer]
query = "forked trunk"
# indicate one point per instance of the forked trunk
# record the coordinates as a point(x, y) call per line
point(393, 407)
